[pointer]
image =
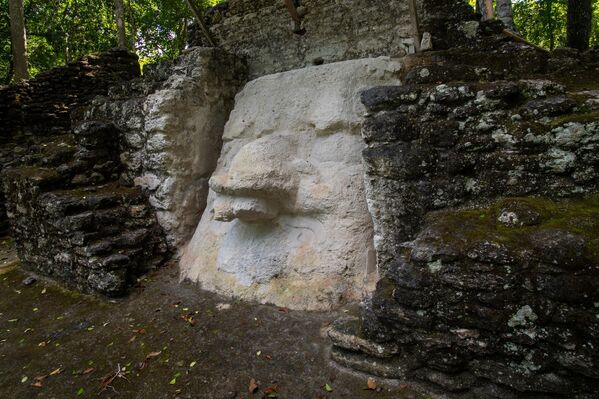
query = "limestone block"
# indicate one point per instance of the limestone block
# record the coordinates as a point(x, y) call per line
point(286, 220)
point(172, 122)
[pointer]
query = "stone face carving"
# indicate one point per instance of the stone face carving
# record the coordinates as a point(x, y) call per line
point(287, 220)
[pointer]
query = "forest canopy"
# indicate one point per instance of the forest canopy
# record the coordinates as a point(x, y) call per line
point(544, 22)
point(59, 31)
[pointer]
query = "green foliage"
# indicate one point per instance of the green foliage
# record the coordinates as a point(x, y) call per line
point(59, 31)
point(543, 22)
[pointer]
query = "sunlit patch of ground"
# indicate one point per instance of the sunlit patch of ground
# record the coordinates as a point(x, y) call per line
point(165, 340)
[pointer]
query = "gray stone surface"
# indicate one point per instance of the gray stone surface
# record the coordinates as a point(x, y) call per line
point(70, 218)
point(32, 113)
point(171, 123)
point(262, 32)
point(486, 296)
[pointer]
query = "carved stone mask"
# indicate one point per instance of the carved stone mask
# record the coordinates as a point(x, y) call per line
point(287, 220)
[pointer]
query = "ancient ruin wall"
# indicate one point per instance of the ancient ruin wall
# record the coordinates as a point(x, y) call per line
point(35, 111)
point(171, 124)
point(70, 217)
point(261, 31)
point(497, 299)
point(92, 208)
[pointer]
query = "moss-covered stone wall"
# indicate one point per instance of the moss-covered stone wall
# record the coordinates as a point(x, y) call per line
point(482, 180)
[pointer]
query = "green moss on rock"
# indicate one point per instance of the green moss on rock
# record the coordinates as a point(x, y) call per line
point(500, 224)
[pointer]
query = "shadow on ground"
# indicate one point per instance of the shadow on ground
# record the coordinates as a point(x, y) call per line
point(169, 341)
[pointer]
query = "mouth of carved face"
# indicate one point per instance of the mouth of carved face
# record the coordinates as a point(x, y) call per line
point(259, 182)
point(260, 252)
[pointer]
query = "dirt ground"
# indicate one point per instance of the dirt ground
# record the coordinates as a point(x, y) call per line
point(169, 340)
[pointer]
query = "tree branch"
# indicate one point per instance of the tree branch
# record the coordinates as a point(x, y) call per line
point(198, 16)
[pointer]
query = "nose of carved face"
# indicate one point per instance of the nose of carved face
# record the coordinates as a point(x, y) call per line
point(259, 183)
point(227, 208)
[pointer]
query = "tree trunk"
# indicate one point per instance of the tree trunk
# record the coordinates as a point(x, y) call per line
point(18, 39)
point(580, 23)
point(485, 8)
point(414, 22)
point(549, 25)
point(119, 12)
point(504, 12)
point(133, 26)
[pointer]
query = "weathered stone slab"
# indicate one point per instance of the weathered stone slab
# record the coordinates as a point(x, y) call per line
point(171, 124)
point(263, 32)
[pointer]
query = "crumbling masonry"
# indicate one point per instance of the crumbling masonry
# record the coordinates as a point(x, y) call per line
point(480, 177)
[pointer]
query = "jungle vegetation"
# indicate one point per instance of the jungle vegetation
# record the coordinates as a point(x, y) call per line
point(59, 31)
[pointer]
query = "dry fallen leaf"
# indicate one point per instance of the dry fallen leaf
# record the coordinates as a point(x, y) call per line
point(88, 371)
point(189, 318)
point(371, 384)
point(153, 354)
point(253, 386)
point(55, 372)
point(37, 384)
point(403, 386)
point(271, 391)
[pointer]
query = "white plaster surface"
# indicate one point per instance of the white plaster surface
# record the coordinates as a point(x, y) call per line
point(286, 220)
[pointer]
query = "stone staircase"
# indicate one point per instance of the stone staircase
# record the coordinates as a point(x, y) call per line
point(62, 196)
point(71, 218)
point(354, 350)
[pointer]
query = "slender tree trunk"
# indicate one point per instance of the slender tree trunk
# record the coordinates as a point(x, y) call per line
point(485, 8)
point(580, 23)
point(133, 26)
point(504, 12)
point(67, 49)
point(548, 4)
point(18, 39)
point(119, 12)
point(414, 22)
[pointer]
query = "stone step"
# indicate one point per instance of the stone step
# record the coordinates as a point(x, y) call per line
point(80, 200)
point(346, 333)
point(394, 367)
point(52, 151)
point(31, 179)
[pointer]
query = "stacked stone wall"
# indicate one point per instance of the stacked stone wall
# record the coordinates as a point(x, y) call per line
point(263, 32)
point(70, 217)
point(90, 204)
point(482, 180)
point(171, 125)
point(34, 112)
